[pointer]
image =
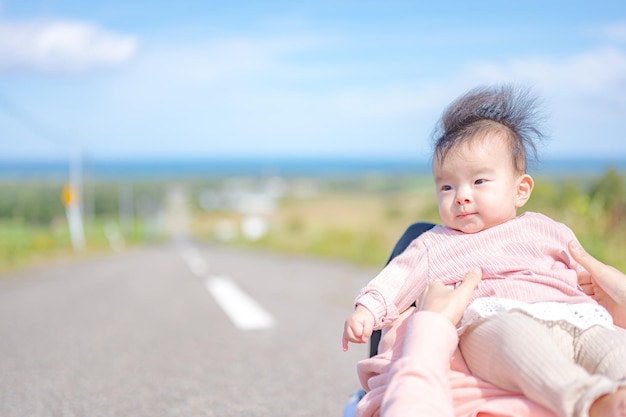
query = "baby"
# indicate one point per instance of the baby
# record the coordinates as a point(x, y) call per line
point(530, 328)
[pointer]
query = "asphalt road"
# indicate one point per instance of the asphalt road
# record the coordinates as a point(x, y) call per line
point(139, 334)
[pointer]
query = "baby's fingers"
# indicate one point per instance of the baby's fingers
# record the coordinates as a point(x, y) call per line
point(353, 332)
point(364, 332)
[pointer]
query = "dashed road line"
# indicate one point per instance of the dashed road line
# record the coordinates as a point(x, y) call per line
point(246, 313)
point(242, 309)
point(194, 260)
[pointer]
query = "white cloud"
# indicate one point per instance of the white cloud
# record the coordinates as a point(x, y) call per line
point(61, 46)
point(224, 71)
point(585, 94)
point(592, 71)
point(615, 32)
point(228, 59)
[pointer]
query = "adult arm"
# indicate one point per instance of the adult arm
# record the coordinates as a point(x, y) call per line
point(419, 381)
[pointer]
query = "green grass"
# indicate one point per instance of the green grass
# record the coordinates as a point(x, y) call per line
point(23, 244)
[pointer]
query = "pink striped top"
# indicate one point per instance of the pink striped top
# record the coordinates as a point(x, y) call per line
point(524, 259)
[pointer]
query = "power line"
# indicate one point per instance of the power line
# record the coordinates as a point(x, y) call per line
point(9, 107)
point(73, 190)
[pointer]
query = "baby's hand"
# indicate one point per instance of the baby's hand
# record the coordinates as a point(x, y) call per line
point(358, 327)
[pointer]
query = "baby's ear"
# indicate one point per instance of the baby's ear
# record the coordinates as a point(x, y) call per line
point(525, 184)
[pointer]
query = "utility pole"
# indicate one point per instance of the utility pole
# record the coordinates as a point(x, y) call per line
point(72, 191)
point(73, 200)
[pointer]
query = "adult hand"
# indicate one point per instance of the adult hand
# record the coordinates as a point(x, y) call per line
point(448, 302)
point(606, 284)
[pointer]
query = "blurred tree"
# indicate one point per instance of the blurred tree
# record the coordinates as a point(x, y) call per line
point(608, 193)
point(31, 203)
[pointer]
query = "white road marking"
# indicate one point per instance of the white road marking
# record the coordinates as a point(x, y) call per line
point(194, 260)
point(246, 313)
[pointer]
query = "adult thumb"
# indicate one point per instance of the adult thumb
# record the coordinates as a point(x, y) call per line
point(471, 280)
point(581, 256)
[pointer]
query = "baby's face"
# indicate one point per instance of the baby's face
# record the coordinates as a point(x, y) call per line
point(477, 185)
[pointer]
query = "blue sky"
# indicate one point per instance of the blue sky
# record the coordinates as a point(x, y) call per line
point(155, 79)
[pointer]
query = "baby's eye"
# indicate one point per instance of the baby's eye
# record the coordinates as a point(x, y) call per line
point(445, 188)
point(480, 181)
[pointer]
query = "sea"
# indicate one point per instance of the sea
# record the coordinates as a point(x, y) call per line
point(189, 168)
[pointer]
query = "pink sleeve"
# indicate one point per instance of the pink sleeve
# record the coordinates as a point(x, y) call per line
point(558, 235)
point(567, 235)
point(419, 382)
point(397, 286)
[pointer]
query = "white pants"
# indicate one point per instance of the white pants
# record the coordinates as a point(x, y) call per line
point(561, 367)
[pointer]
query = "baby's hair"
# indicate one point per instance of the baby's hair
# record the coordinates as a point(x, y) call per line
point(503, 109)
